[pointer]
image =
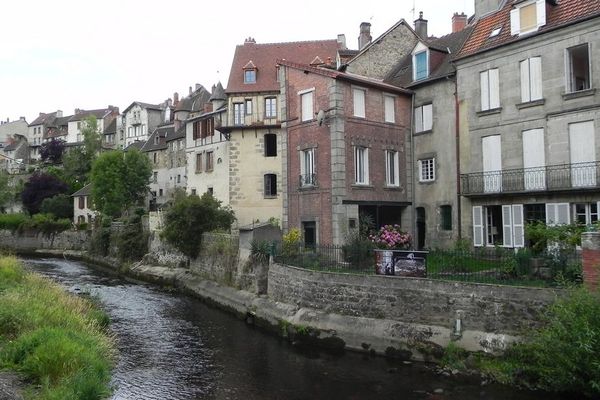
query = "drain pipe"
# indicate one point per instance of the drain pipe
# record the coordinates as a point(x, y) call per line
point(457, 149)
point(412, 169)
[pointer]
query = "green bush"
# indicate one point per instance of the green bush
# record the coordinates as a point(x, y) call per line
point(12, 222)
point(260, 251)
point(45, 223)
point(358, 251)
point(99, 243)
point(563, 355)
point(60, 205)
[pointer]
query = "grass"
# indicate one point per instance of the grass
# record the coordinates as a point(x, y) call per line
point(56, 340)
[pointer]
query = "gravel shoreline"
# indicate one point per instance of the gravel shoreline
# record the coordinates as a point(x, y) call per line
point(10, 386)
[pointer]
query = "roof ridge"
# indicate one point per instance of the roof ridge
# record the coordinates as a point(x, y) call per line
point(292, 42)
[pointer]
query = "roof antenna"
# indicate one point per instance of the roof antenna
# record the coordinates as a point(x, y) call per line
point(413, 10)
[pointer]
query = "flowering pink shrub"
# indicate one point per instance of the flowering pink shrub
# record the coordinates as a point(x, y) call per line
point(391, 237)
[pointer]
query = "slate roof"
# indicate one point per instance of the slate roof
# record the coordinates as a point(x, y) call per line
point(84, 191)
point(218, 93)
point(195, 101)
point(12, 146)
point(138, 144)
point(265, 55)
point(179, 134)
point(99, 114)
point(564, 13)
point(441, 66)
point(44, 118)
point(111, 128)
point(144, 105)
point(162, 133)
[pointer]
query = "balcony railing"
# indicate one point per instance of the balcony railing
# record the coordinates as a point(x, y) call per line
point(308, 180)
point(548, 178)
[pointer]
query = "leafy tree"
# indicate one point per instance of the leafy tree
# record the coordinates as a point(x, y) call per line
point(190, 216)
point(6, 190)
point(77, 166)
point(52, 151)
point(92, 138)
point(61, 206)
point(119, 181)
point(41, 186)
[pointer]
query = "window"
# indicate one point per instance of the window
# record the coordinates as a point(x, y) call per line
point(578, 68)
point(307, 167)
point(359, 102)
point(307, 106)
point(78, 124)
point(81, 202)
point(586, 213)
point(531, 79)
point(427, 170)
point(534, 160)
point(446, 218)
point(270, 145)
point(193, 192)
point(270, 181)
point(250, 76)
point(389, 109)
point(420, 65)
point(198, 162)
point(210, 191)
point(490, 89)
point(361, 165)
point(309, 233)
point(238, 113)
point(391, 168)
point(155, 177)
point(270, 107)
point(160, 192)
point(528, 17)
point(424, 118)
point(492, 163)
point(178, 178)
point(248, 106)
point(582, 151)
point(501, 225)
point(155, 157)
point(209, 161)
point(557, 214)
point(156, 139)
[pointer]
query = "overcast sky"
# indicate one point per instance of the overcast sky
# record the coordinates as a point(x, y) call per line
point(66, 54)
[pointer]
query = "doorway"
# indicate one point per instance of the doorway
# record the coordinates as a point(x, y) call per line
point(421, 228)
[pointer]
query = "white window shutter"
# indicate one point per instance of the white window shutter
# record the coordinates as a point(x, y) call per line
point(390, 114)
point(367, 166)
point(535, 76)
point(494, 88)
point(541, 12)
point(563, 213)
point(518, 226)
point(428, 117)
point(551, 214)
point(419, 119)
point(307, 106)
point(525, 82)
point(485, 91)
point(515, 22)
point(507, 231)
point(359, 103)
point(478, 226)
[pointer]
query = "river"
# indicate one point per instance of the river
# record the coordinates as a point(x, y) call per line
point(175, 347)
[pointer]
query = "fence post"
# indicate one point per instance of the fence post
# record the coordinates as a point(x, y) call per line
point(590, 244)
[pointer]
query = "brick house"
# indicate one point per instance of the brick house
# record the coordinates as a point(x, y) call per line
point(529, 119)
point(345, 153)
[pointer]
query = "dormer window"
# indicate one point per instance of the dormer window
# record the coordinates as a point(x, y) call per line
point(250, 72)
point(527, 16)
point(420, 62)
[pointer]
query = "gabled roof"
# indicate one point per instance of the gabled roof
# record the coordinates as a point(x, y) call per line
point(144, 105)
point(138, 144)
point(111, 128)
point(402, 73)
point(345, 76)
point(564, 13)
point(195, 101)
point(83, 114)
point(264, 57)
point(174, 135)
point(84, 191)
point(160, 132)
point(44, 118)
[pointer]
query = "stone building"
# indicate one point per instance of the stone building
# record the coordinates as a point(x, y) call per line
point(529, 118)
point(345, 151)
point(104, 118)
point(139, 120)
point(156, 150)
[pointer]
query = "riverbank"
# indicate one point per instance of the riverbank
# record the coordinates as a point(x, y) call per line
point(56, 341)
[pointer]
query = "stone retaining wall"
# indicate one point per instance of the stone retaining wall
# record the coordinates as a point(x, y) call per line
point(68, 240)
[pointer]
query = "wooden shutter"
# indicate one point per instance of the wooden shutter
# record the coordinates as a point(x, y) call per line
point(533, 159)
point(507, 225)
point(359, 103)
point(419, 119)
point(494, 88)
point(541, 12)
point(535, 76)
point(518, 226)
point(390, 114)
point(515, 23)
point(427, 117)
point(477, 226)
point(525, 82)
point(485, 90)
point(307, 106)
point(558, 214)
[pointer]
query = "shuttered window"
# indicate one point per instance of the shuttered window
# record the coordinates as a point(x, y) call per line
point(359, 102)
point(424, 118)
point(490, 89)
point(531, 79)
point(307, 106)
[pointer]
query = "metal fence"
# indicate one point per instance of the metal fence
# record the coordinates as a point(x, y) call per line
point(495, 265)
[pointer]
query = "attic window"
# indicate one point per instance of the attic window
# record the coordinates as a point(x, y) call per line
point(496, 32)
point(420, 62)
point(528, 17)
point(250, 72)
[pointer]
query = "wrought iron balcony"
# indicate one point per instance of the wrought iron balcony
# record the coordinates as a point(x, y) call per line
point(540, 179)
point(308, 180)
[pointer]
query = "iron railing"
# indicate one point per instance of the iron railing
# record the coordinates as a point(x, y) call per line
point(308, 180)
point(551, 177)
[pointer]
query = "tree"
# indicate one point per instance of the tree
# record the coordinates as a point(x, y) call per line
point(77, 166)
point(190, 216)
point(52, 151)
point(119, 181)
point(41, 186)
point(6, 190)
point(61, 206)
point(92, 138)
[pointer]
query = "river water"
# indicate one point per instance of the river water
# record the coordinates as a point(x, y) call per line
point(175, 347)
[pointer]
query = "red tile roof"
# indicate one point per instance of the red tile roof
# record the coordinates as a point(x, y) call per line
point(566, 12)
point(264, 57)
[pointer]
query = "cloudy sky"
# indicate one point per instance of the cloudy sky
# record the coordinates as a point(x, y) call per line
point(67, 54)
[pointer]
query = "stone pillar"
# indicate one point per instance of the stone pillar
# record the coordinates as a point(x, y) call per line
point(590, 243)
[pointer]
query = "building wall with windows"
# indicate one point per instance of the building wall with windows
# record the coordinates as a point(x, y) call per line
point(529, 137)
point(346, 153)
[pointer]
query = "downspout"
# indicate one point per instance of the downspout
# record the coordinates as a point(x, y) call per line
point(457, 142)
point(412, 169)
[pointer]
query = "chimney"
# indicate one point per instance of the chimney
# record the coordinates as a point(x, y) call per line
point(365, 35)
point(77, 111)
point(22, 118)
point(250, 40)
point(198, 86)
point(459, 22)
point(190, 91)
point(483, 7)
point(342, 41)
point(59, 113)
point(421, 26)
point(175, 98)
point(208, 107)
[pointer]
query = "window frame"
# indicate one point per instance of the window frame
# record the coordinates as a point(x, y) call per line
point(415, 61)
point(430, 170)
point(529, 81)
point(198, 163)
point(248, 106)
point(270, 185)
point(446, 217)
point(210, 161)
point(270, 107)
point(392, 168)
point(238, 113)
point(492, 88)
point(268, 138)
point(420, 111)
point(359, 109)
point(361, 165)
point(570, 78)
point(307, 167)
point(306, 114)
point(389, 112)
point(250, 76)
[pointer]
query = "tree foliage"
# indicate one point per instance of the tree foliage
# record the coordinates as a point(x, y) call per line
point(41, 186)
point(52, 151)
point(92, 137)
point(119, 181)
point(77, 162)
point(190, 216)
point(61, 206)
point(6, 190)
